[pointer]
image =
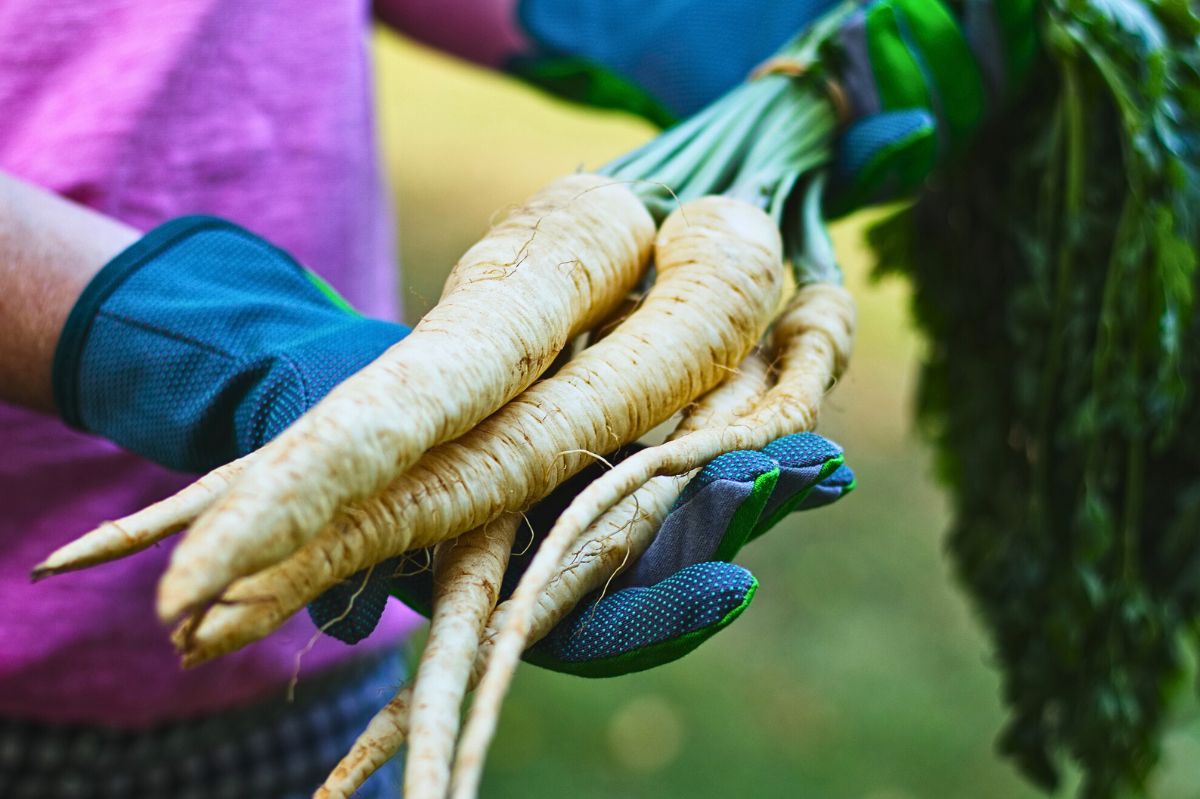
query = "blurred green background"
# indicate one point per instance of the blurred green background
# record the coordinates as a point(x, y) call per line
point(858, 671)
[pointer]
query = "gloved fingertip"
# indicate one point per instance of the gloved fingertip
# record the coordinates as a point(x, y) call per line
point(830, 490)
point(740, 466)
point(882, 156)
point(351, 610)
point(843, 479)
point(638, 628)
point(804, 450)
point(864, 142)
point(807, 464)
point(712, 518)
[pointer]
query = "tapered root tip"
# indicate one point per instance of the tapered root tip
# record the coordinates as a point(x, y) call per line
point(171, 612)
point(193, 658)
point(330, 793)
point(45, 569)
point(342, 782)
point(183, 637)
point(215, 630)
point(59, 561)
point(326, 792)
point(354, 769)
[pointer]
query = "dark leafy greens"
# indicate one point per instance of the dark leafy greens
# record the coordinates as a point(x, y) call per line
point(1054, 271)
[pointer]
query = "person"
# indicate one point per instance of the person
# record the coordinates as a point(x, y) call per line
point(142, 343)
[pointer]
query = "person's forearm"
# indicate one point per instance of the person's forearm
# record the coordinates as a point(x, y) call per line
point(482, 31)
point(49, 249)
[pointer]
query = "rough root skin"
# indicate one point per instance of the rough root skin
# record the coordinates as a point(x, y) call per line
point(620, 536)
point(719, 277)
point(814, 337)
point(378, 743)
point(616, 538)
point(555, 266)
point(467, 572)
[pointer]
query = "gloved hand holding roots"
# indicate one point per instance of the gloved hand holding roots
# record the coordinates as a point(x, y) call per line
point(454, 431)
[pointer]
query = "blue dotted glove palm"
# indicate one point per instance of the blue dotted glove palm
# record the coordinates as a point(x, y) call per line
point(201, 342)
point(682, 591)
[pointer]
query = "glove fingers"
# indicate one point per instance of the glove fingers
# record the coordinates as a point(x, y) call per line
point(351, 610)
point(805, 459)
point(828, 491)
point(639, 628)
point(712, 518)
point(720, 510)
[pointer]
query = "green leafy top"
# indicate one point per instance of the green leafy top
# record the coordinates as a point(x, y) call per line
point(1054, 271)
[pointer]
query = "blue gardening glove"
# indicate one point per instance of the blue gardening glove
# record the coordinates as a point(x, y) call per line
point(201, 342)
point(680, 593)
point(683, 590)
point(919, 82)
point(664, 60)
point(918, 79)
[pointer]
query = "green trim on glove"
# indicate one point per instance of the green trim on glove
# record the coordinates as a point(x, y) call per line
point(920, 60)
point(764, 525)
point(330, 293)
point(741, 524)
point(589, 83)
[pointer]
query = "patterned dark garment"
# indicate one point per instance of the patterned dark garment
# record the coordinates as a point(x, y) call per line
point(271, 750)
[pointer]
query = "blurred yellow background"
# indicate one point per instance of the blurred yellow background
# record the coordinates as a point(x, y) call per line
point(858, 671)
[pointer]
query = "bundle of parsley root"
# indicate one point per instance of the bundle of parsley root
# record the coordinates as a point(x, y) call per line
point(1054, 271)
point(449, 436)
point(1053, 267)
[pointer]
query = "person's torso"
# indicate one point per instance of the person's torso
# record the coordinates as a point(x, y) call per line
point(259, 112)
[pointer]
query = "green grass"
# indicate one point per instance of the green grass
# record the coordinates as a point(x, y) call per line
point(858, 671)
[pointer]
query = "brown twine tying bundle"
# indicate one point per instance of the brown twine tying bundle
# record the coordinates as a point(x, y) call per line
point(792, 68)
point(781, 65)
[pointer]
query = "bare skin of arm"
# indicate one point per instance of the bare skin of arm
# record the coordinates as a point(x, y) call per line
point(49, 249)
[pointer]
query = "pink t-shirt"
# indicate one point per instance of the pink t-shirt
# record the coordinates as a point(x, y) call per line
point(258, 111)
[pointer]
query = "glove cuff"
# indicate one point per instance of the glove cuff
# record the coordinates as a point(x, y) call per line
point(69, 352)
point(200, 341)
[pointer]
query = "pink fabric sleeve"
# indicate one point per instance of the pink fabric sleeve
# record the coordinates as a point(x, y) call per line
point(482, 31)
point(259, 112)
